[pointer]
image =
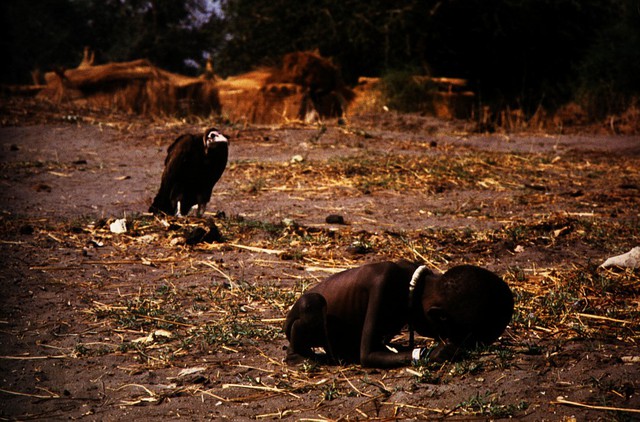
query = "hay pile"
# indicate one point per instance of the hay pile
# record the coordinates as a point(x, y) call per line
point(305, 87)
point(250, 98)
point(136, 86)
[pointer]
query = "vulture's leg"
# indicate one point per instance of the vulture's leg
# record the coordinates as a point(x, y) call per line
point(201, 209)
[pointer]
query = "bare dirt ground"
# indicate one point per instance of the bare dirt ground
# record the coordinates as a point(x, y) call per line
point(102, 326)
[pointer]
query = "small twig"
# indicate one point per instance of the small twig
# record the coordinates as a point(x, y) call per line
point(278, 415)
point(215, 267)
point(272, 319)
point(325, 269)
point(34, 357)
point(362, 413)
point(255, 367)
point(130, 261)
point(54, 238)
point(561, 400)
point(37, 396)
point(109, 307)
point(260, 387)
point(269, 358)
point(353, 386)
point(11, 242)
point(603, 318)
point(419, 255)
point(256, 249)
point(122, 387)
point(112, 262)
point(55, 268)
point(209, 393)
point(410, 406)
point(166, 321)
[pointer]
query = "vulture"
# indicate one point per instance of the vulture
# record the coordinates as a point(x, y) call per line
point(193, 166)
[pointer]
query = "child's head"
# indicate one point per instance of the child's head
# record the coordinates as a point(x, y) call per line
point(467, 305)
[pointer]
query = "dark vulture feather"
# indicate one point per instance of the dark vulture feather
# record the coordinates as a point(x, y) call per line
point(193, 166)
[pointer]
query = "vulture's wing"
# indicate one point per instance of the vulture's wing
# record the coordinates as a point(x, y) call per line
point(182, 154)
point(177, 165)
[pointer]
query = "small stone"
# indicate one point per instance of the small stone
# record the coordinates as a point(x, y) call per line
point(26, 229)
point(289, 222)
point(118, 226)
point(335, 219)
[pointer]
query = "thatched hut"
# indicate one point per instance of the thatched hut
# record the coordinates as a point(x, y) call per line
point(305, 87)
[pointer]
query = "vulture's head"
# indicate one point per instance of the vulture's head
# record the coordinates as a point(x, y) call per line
point(212, 137)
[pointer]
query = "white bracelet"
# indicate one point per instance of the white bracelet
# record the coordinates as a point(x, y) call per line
point(415, 354)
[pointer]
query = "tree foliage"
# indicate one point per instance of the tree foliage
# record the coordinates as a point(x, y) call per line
point(47, 34)
point(514, 52)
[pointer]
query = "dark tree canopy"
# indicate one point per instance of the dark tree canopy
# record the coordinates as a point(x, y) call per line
point(514, 52)
point(52, 33)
